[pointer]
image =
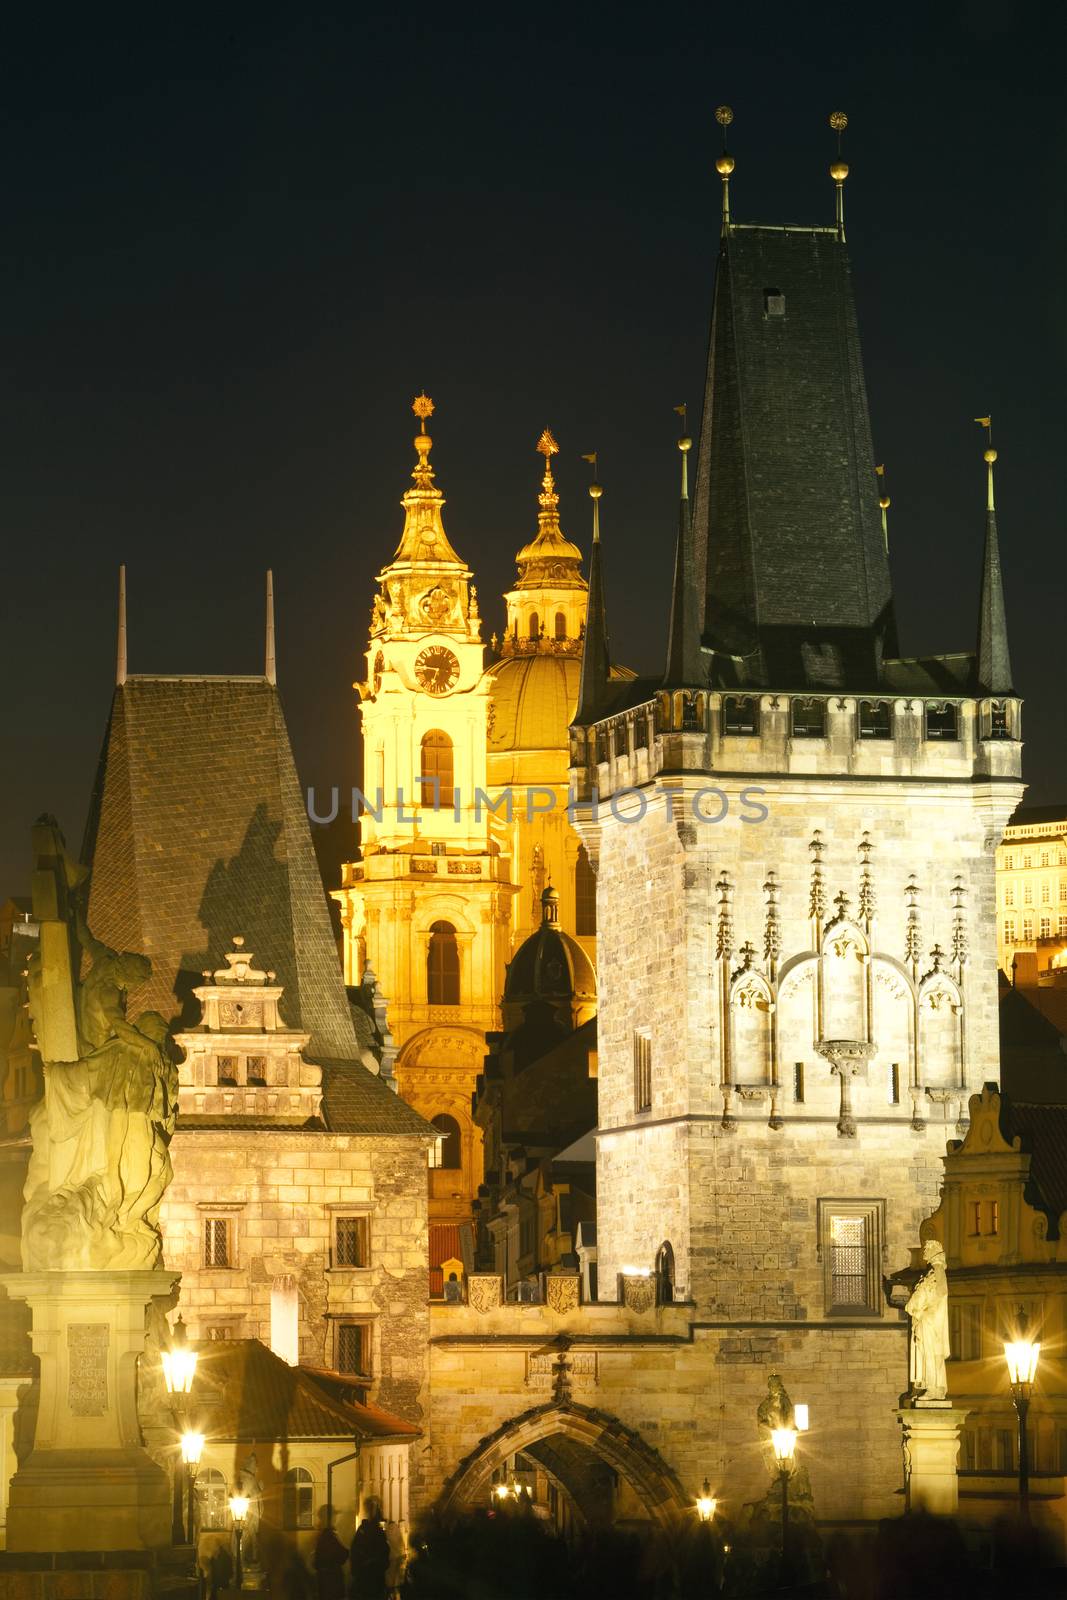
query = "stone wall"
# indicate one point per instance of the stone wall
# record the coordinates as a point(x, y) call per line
point(281, 1191)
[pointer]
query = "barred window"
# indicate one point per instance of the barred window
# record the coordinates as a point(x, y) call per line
point(850, 1234)
point(353, 1348)
point(809, 719)
point(350, 1242)
point(875, 718)
point(642, 1072)
point(227, 1069)
point(998, 721)
point(218, 1242)
point(740, 714)
point(299, 1498)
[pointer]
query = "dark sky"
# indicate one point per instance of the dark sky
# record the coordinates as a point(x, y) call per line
point(236, 248)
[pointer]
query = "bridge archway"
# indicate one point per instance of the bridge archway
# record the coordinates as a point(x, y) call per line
point(561, 1431)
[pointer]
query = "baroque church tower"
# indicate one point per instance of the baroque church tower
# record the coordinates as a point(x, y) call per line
point(428, 906)
point(794, 832)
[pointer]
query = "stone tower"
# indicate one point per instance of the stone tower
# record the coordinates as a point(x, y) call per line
point(793, 830)
point(428, 906)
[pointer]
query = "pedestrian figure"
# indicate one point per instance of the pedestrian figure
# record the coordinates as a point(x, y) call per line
point(329, 1559)
point(368, 1559)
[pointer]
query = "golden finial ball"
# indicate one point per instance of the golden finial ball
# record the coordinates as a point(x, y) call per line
point(990, 456)
point(685, 444)
point(838, 121)
point(724, 166)
point(595, 491)
point(884, 503)
point(723, 116)
point(839, 171)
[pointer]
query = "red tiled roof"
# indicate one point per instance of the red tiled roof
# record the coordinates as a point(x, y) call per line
point(244, 1391)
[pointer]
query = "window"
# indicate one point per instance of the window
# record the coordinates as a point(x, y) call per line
point(642, 1072)
point(212, 1498)
point(218, 1242)
point(442, 966)
point(603, 745)
point(1063, 888)
point(1008, 862)
point(1009, 895)
point(447, 1153)
point(1009, 931)
point(1027, 861)
point(941, 722)
point(584, 895)
point(256, 1070)
point(965, 1330)
point(740, 714)
point(993, 1210)
point(535, 625)
point(798, 1081)
point(773, 303)
point(1044, 858)
point(350, 1242)
point(435, 770)
point(640, 735)
point(221, 1331)
point(809, 719)
point(1028, 929)
point(298, 1498)
point(1046, 927)
point(692, 712)
point(850, 1234)
point(1046, 893)
point(976, 1218)
point(665, 1274)
point(1062, 928)
point(561, 625)
point(228, 1069)
point(998, 721)
point(438, 848)
point(1028, 894)
point(353, 1348)
point(894, 1084)
point(875, 719)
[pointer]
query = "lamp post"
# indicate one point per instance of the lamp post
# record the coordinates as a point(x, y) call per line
point(179, 1360)
point(784, 1442)
point(1021, 1355)
point(239, 1504)
point(192, 1450)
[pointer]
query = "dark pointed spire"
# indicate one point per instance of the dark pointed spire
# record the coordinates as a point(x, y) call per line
point(685, 665)
point(596, 664)
point(992, 663)
point(120, 653)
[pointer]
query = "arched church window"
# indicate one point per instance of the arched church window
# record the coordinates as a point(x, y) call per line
point(299, 1498)
point(535, 625)
point(584, 895)
point(442, 966)
point(665, 1274)
point(448, 1158)
point(436, 770)
point(561, 625)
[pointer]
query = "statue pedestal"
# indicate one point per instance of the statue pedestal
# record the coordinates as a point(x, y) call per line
point(931, 1451)
point(88, 1483)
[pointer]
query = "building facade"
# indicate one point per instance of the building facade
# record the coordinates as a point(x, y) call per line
point(1032, 886)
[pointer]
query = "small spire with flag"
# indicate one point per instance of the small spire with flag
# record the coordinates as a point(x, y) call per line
point(595, 491)
point(685, 444)
point(989, 456)
point(884, 503)
point(839, 170)
point(725, 163)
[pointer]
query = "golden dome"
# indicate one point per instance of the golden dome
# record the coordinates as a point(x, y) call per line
point(533, 701)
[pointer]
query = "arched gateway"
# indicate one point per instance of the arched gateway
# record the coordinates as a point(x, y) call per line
point(552, 1432)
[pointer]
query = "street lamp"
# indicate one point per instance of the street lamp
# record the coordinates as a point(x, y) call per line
point(784, 1443)
point(179, 1361)
point(706, 1503)
point(1021, 1355)
point(239, 1504)
point(192, 1450)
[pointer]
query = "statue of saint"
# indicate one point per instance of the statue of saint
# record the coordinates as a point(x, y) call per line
point(928, 1310)
point(248, 1484)
point(775, 1410)
point(100, 1162)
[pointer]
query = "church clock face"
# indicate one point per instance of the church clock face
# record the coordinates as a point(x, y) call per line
point(436, 669)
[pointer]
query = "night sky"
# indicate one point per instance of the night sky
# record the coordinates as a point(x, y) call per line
point(237, 248)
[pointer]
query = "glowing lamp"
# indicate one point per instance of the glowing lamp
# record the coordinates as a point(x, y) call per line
point(706, 1503)
point(1021, 1356)
point(784, 1441)
point(239, 1504)
point(192, 1448)
point(501, 1491)
point(179, 1361)
point(800, 1418)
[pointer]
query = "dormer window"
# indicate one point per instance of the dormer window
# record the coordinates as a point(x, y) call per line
point(773, 303)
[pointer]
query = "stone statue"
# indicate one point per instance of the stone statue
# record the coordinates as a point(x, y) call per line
point(928, 1310)
point(775, 1410)
point(100, 1161)
point(248, 1484)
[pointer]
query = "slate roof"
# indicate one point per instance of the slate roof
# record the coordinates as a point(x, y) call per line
point(198, 831)
point(1044, 1133)
point(242, 1390)
point(787, 527)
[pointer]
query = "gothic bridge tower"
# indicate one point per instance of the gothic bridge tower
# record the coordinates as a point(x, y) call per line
point(794, 832)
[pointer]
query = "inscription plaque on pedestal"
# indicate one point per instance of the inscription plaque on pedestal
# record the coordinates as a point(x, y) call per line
point(87, 1368)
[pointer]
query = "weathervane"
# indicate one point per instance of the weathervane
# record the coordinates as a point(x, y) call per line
point(989, 455)
point(548, 499)
point(839, 170)
point(595, 491)
point(725, 164)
